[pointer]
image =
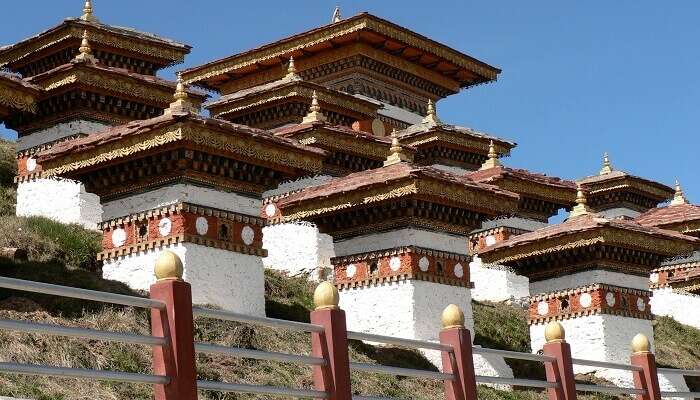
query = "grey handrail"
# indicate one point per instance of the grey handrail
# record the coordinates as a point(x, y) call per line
point(686, 372)
point(513, 354)
point(608, 389)
point(258, 354)
point(417, 373)
point(604, 364)
point(76, 293)
point(685, 395)
point(65, 331)
point(259, 389)
point(421, 344)
point(515, 382)
point(42, 370)
point(272, 322)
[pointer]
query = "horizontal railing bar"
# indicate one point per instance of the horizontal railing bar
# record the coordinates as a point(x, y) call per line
point(65, 331)
point(257, 354)
point(272, 322)
point(371, 398)
point(604, 364)
point(608, 389)
point(687, 372)
point(76, 293)
point(515, 382)
point(417, 373)
point(685, 395)
point(421, 344)
point(513, 354)
point(42, 370)
point(259, 389)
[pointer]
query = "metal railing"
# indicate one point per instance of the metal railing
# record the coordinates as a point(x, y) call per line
point(413, 343)
point(684, 372)
point(259, 354)
point(603, 364)
point(608, 389)
point(64, 331)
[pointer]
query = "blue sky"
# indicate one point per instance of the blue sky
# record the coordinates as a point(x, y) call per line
point(579, 78)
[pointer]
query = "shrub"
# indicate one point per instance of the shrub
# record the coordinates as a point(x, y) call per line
point(8, 163)
point(8, 199)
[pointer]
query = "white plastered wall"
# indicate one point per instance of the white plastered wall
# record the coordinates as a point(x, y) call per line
point(412, 309)
point(402, 237)
point(589, 277)
point(62, 200)
point(496, 283)
point(172, 194)
point(232, 281)
point(668, 303)
point(298, 248)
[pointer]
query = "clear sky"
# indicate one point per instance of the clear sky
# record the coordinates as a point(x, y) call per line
point(579, 78)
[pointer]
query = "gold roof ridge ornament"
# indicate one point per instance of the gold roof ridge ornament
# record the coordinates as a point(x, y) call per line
point(581, 207)
point(493, 161)
point(87, 12)
point(85, 50)
point(315, 114)
point(336, 15)
point(679, 196)
point(181, 103)
point(431, 117)
point(292, 72)
point(607, 166)
point(397, 152)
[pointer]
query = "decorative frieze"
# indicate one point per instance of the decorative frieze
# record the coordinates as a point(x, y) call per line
point(590, 300)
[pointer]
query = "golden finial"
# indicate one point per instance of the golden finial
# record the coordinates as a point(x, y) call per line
point(431, 117)
point(168, 266)
point(336, 15)
point(640, 344)
point(181, 102)
point(291, 69)
point(315, 114)
point(554, 332)
point(326, 296)
point(607, 167)
point(397, 153)
point(679, 196)
point(492, 161)
point(87, 12)
point(581, 207)
point(85, 50)
point(452, 317)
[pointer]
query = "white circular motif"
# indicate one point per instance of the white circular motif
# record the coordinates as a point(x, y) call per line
point(542, 308)
point(202, 225)
point(248, 235)
point(31, 164)
point(351, 270)
point(585, 300)
point(459, 271)
point(490, 240)
point(654, 278)
point(270, 210)
point(118, 237)
point(641, 304)
point(423, 264)
point(395, 263)
point(610, 299)
point(165, 226)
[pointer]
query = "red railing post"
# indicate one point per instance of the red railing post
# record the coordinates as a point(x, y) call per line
point(332, 344)
point(459, 362)
point(647, 379)
point(560, 371)
point(177, 359)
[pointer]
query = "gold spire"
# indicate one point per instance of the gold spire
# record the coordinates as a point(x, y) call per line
point(85, 50)
point(291, 69)
point(181, 103)
point(431, 117)
point(336, 15)
point(87, 12)
point(607, 167)
point(581, 207)
point(492, 161)
point(397, 152)
point(678, 197)
point(315, 114)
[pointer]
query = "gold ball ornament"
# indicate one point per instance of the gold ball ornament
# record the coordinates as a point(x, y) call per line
point(640, 344)
point(326, 296)
point(452, 317)
point(554, 332)
point(168, 266)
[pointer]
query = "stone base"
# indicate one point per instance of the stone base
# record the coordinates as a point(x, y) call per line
point(412, 309)
point(494, 283)
point(668, 303)
point(298, 249)
point(62, 200)
point(597, 337)
point(222, 278)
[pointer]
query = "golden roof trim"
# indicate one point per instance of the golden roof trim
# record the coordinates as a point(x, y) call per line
point(17, 99)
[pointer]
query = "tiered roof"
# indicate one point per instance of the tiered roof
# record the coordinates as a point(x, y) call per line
point(17, 95)
point(679, 216)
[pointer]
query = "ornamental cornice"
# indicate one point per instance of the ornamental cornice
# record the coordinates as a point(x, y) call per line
point(537, 190)
point(17, 99)
point(364, 148)
point(612, 186)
